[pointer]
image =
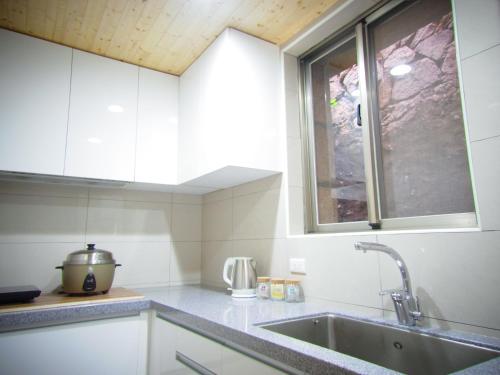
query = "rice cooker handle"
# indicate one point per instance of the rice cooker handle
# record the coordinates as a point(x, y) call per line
point(91, 246)
point(59, 267)
point(118, 265)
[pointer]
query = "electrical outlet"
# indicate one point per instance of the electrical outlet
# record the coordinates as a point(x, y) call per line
point(298, 265)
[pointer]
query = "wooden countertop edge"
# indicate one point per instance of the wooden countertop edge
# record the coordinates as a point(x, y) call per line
point(68, 301)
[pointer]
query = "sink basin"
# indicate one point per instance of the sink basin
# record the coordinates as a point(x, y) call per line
point(399, 349)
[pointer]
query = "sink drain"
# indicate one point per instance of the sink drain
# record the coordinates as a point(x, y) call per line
point(398, 345)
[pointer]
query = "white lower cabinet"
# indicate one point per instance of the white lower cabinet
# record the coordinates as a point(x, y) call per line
point(110, 346)
point(175, 350)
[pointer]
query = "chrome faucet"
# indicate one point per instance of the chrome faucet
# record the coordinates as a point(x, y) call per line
point(406, 305)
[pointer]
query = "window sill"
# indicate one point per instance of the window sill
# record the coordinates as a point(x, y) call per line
point(386, 231)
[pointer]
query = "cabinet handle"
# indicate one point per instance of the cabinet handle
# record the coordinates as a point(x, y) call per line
point(195, 366)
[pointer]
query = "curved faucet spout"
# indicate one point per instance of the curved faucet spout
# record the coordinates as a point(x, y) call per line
point(364, 246)
point(406, 306)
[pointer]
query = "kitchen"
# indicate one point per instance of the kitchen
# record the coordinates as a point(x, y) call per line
point(181, 160)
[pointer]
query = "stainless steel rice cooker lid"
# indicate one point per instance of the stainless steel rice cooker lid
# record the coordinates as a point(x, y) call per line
point(91, 255)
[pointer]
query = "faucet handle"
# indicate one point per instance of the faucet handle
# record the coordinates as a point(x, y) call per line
point(391, 292)
point(417, 314)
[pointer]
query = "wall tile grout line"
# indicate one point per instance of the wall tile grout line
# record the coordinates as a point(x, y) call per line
point(133, 200)
point(101, 240)
point(86, 216)
point(69, 109)
point(137, 119)
point(81, 196)
point(243, 195)
point(63, 233)
point(171, 250)
point(485, 139)
point(379, 268)
point(480, 52)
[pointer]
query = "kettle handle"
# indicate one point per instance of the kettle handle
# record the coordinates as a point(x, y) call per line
point(254, 263)
point(229, 263)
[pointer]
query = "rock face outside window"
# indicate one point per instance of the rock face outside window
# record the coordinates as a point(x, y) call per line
point(423, 143)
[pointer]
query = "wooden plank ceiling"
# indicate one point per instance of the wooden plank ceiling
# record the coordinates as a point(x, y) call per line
point(165, 35)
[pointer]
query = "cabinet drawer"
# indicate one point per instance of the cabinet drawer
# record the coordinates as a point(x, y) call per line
point(176, 350)
point(203, 351)
point(237, 363)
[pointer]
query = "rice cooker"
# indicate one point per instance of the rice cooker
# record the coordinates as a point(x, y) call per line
point(88, 271)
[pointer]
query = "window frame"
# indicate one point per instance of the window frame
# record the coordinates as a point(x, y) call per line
point(358, 29)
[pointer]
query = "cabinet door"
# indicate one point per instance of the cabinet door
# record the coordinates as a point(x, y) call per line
point(34, 99)
point(107, 347)
point(237, 363)
point(162, 349)
point(156, 153)
point(102, 118)
point(230, 111)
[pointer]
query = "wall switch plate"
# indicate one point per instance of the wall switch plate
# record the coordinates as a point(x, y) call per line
point(298, 265)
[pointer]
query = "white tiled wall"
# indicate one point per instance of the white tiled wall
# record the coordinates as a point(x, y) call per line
point(254, 224)
point(245, 220)
point(335, 271)
point(478, 32)
point(155, 236)
point(482, 92)
point(295, 170)
point(479, 26)
point(485, 160)
point(455, 274)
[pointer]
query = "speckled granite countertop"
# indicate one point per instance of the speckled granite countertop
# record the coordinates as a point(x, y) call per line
point(44, 317)
point(233, 323)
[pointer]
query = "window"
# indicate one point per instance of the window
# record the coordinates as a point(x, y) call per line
point(386, 133)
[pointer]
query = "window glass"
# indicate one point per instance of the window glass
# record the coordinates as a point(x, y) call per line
point(340, 180)
point(423, 150)
point(412, 135)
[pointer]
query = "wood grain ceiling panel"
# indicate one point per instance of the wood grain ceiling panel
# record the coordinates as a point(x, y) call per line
point(165, 35)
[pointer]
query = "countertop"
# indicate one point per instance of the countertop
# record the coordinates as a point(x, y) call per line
point(234, 323)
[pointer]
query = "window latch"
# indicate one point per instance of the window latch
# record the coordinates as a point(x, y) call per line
point(358, 115)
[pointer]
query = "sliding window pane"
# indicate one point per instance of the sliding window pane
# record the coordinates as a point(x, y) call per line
point(340, 179)
point(423, 151)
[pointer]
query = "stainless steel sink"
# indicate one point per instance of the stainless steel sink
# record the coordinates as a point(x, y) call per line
point(399, 349)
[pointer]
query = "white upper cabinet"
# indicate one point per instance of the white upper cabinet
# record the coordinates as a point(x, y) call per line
point(71, 113)
point(157, 114)
point(34, 97)
point(229, 112)
point(102, 118)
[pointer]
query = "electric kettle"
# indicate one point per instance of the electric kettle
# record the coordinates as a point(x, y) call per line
point(240, 274)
